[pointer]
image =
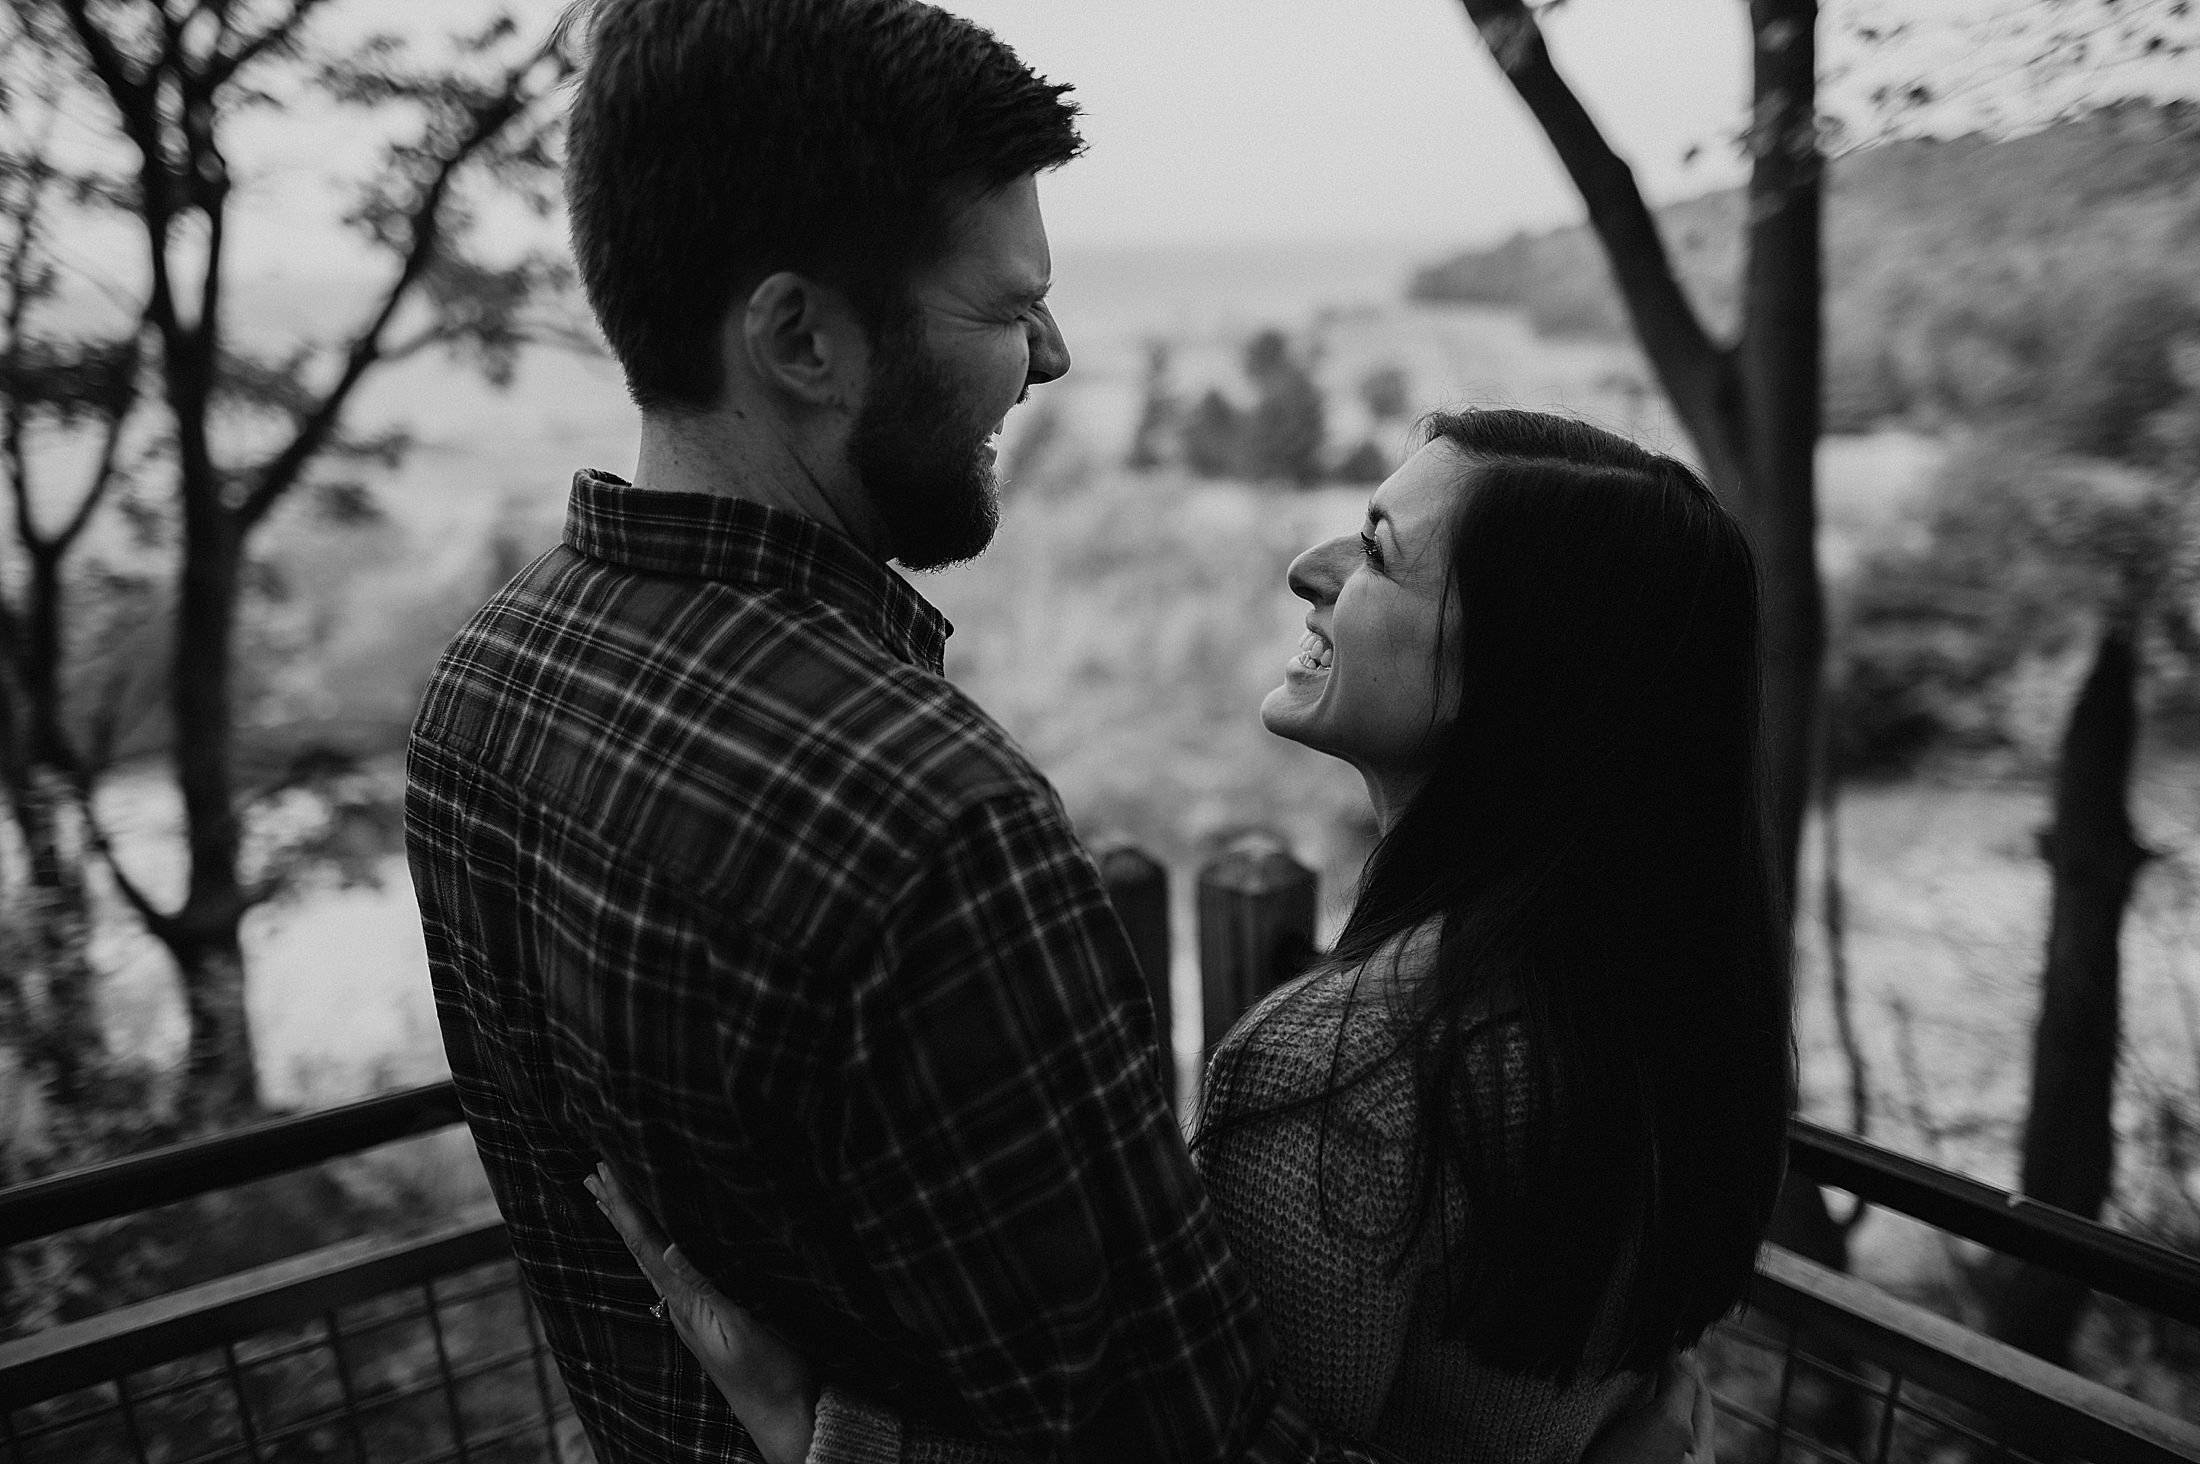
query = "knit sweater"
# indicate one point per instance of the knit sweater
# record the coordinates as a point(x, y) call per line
point(1311, 1217)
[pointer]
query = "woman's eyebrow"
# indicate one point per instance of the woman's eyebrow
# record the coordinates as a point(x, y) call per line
point(1377, 516)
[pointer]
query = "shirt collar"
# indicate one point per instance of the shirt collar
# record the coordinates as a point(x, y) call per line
point(744, 542)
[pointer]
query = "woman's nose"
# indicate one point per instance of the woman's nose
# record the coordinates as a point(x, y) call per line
point(1315, 575)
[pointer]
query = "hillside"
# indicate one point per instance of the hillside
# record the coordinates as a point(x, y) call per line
point(1967, 277)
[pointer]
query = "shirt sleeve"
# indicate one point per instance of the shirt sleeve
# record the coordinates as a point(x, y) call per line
point(1019, 1184)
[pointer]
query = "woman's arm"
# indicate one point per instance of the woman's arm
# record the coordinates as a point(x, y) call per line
point(1309, 1205)
point(770, 1385)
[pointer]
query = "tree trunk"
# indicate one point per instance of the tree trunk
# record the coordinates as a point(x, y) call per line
point(1778, 357)
point(61, 1034)
point(220, 1072)
point(64, 1039)
point(221, 1082)
point(2069, 1134)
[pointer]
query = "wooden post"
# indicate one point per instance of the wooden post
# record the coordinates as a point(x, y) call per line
point(1138, 885)
point(1256, 927)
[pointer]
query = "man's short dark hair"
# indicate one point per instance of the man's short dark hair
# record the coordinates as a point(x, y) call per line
point(714, 142)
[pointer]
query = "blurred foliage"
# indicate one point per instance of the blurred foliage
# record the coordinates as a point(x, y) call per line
point(1387, 392)
point(1281, 437)
point(1157, 413)
point(1941, 639)
point(1966, 277)
point(1125, 635)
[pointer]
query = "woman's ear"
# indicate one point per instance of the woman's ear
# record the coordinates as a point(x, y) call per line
point(799, 338)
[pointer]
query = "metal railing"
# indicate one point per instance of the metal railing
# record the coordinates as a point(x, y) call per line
point(1822, 1366)
point(2140, 1271)
point(425, 1349)
point(202, 1166)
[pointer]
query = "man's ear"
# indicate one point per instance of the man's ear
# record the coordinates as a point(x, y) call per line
point(800, 338)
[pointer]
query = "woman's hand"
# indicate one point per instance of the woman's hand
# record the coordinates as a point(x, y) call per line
point(1678, 1426)
point(768, 1383)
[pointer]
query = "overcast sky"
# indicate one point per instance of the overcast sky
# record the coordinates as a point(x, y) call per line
point(1297, 121)
point(1266, 120)
point(1358, 119)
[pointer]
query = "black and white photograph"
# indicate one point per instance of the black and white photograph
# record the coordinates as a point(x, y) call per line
point(1198, 731)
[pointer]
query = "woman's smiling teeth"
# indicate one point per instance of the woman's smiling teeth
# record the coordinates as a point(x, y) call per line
point(1315, 652)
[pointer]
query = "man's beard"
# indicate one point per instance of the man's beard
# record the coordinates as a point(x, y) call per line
point(926, 470)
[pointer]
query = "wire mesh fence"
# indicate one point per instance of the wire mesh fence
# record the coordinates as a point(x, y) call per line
point(423, 1348)
point(1826, 1369)
point(450, 1368)
point(1783, 1402)
point(429, 1352)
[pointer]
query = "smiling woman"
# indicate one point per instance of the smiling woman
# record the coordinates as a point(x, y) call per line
point(1368, 684)
point(1542, 656)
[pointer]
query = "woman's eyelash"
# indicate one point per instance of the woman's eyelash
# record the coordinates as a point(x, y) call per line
point(1371, 551)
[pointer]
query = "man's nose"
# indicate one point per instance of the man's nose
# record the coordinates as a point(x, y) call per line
point(1315, 575)
point(1049, 352)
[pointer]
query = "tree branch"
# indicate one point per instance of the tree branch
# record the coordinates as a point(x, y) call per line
point(103, 478)
point(131, 94)
point(1697, 373)
point(159, 923)
point(137, 105)
point(367, 348)
point(227, 64)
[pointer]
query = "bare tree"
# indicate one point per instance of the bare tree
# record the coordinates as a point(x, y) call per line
point(2137, 548)
point(59, 381)
point(167, 81)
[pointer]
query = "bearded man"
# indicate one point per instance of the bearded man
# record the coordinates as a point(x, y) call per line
point(722, 880)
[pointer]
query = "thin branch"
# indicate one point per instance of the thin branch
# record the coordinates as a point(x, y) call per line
point(23, 246)
point(1833, 913)
point(130, 93)
point(11, 643)
point(425, 339)
point(227, 64)
point(158, 922)
point(103, 478)
point(367, 349)
point(137, 105)
point(1698, 374)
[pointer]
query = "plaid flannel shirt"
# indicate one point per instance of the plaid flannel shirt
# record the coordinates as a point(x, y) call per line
point(724, 882)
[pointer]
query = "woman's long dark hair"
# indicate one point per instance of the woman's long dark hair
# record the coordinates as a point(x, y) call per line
point(1591, 838)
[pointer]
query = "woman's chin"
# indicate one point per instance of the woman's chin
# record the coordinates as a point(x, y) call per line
point(1286, 712)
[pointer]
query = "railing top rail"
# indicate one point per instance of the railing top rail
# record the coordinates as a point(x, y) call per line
point(2154, 1276)
point(183, 1171)
point(2137, 1270)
